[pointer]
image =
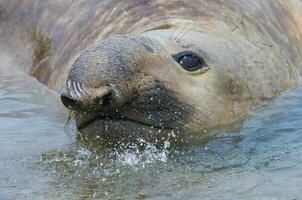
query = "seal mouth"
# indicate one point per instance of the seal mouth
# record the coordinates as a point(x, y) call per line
point(81, 125)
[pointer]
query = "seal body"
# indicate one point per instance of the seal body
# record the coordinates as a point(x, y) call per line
point(151, 66)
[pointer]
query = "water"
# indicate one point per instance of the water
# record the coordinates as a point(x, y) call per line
point(40, 158)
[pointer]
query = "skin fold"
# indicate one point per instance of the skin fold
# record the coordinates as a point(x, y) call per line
point(115, 62)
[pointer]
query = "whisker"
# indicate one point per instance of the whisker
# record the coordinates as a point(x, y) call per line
point(76, 89)
point(176, 32)
point(84, 89)
point(172, 35)
point(187, 108)
point(180, 33)
point(172, 102)
point(178, 40)
point(80, 88)
point(70, 115)
point(68, 129)
point(69, 85)
point(70, 88)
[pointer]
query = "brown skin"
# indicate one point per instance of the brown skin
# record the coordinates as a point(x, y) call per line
point(124, 95)
point(132, 84)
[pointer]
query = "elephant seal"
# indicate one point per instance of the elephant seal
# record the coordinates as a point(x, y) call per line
point(152, 67)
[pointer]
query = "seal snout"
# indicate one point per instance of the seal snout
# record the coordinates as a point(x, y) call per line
point(104, 76)
point(87, 99)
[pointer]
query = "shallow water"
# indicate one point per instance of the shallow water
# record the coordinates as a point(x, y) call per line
point(259, 158)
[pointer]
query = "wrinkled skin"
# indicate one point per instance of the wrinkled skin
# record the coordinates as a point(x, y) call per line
point(131, 84)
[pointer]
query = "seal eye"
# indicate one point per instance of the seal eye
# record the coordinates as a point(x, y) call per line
point(190, 61)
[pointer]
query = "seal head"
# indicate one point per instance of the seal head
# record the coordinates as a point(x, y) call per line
point(116, 87)
point(155, 82)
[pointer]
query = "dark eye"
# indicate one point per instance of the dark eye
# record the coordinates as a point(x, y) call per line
point(190, 61)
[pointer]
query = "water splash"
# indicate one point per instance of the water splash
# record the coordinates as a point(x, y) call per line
point(100, 164)
point(135, 157)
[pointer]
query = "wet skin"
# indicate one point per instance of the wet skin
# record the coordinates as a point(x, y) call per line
point(152, 83)
point(153, 68)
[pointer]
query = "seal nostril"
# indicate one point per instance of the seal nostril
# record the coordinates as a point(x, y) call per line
point(104, 100)
point(70, 103)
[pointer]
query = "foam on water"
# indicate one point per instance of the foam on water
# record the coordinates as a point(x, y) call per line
point(133, 156)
